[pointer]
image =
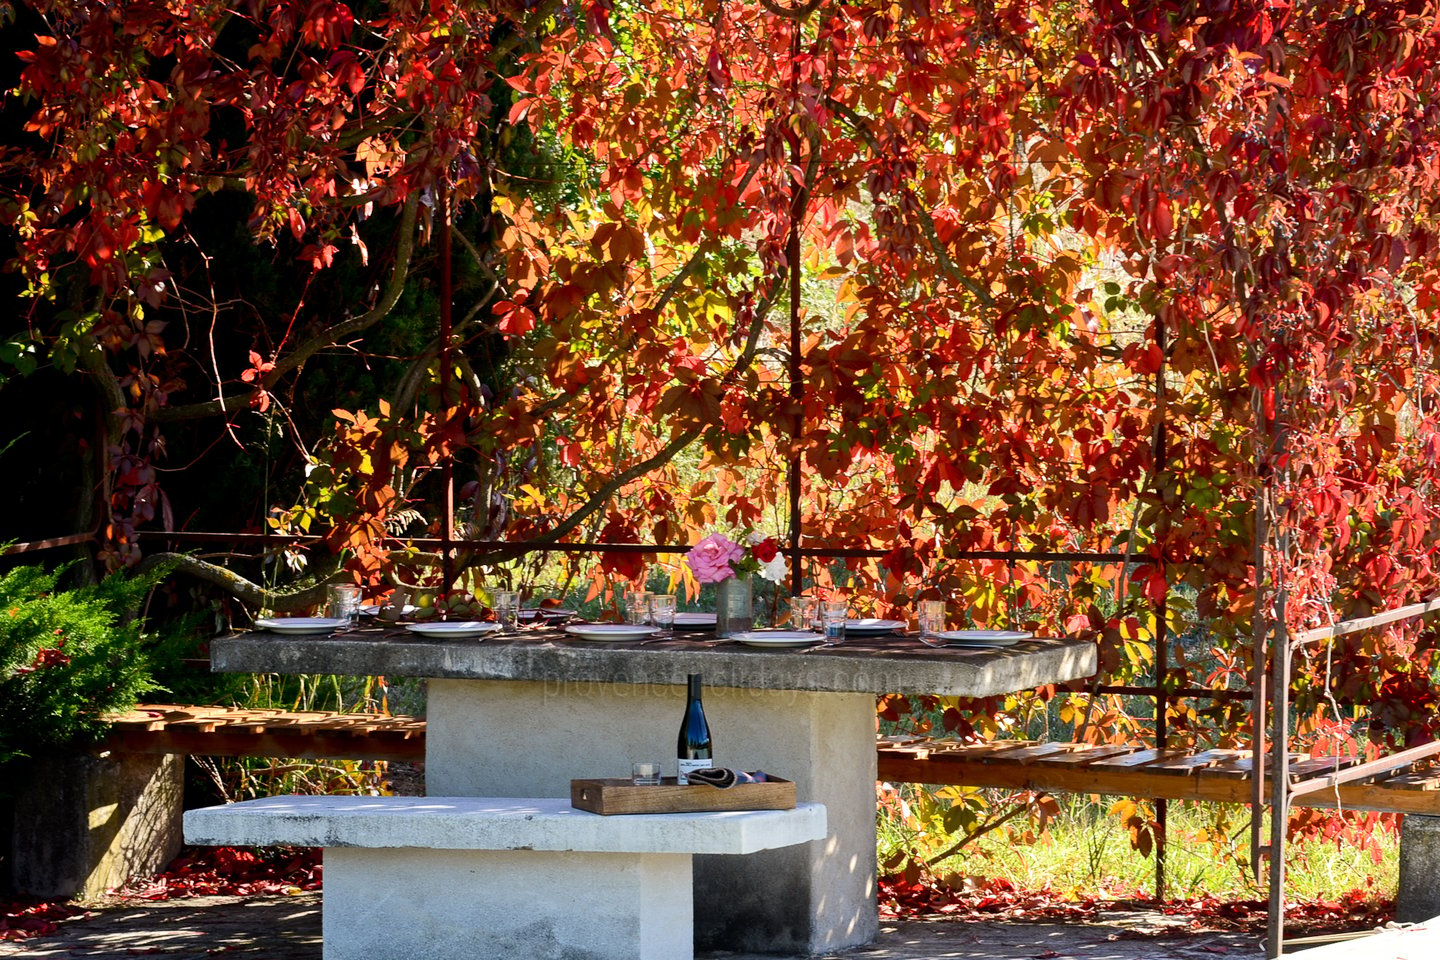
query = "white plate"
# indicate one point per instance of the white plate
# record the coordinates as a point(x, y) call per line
point(778, 638)
point(301, 625)
point(988, 638)
point(609, 631)
point(871, 625)
point(694, 621)
point(453, 628)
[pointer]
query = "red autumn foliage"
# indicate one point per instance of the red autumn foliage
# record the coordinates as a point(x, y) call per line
point(998, 899)
point(197, 872)
point(20, 920)
point(231, 871)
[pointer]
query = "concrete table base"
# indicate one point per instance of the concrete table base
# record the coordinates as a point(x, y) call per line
point(525, 738)
point(464, 904)
point(456, 878)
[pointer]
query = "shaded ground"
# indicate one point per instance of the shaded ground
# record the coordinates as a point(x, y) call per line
point(288, 928)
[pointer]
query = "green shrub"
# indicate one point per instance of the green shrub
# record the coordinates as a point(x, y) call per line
point(67, 656)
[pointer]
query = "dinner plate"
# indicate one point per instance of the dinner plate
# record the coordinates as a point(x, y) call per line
point(872, 625)
point(609, 631)
point(453, 628)
point(988, 638)
point(778, 638)
point(694, 621)
point(301, 625)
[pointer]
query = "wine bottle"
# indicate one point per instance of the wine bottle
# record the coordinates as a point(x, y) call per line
point(693, 746)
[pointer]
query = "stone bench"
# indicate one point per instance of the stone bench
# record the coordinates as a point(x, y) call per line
point(456, 878)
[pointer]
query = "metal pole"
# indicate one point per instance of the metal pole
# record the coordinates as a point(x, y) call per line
point(1162, 734)
point(1279, 760)
point(1162, 607)
point(798, 203)
point(447, 476)
point(1259, 689)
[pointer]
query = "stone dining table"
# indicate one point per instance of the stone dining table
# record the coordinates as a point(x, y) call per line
point(522, 715)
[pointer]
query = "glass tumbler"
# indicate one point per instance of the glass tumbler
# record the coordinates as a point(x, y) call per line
point(833, 614)
point(932, 618)
point(342, 602)
point(637, 607)
point(802, 612)
point(645, 773)
point(662, 612)
point(507, 610)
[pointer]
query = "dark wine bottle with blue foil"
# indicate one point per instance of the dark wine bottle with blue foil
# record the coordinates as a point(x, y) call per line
point(693, 746)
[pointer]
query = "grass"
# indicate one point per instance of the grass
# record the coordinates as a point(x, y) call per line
point(1085, 850)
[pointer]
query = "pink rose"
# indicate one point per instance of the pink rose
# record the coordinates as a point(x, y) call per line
point(710, 559)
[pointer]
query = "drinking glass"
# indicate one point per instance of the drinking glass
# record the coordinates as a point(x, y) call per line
point(802, 612)
point(645, 774)
point(637, 607)
point(507, 610)
point(833, 614)
point(932, 619)
point(343, 603)
point(662, 612)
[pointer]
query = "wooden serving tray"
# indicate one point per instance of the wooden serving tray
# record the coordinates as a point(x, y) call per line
point(607, 797)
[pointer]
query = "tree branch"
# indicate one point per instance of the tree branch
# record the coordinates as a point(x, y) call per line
point(404, 253)
point(977, 833)
point(241, 588)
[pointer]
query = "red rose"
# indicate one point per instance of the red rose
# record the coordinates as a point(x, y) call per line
point(766, 549)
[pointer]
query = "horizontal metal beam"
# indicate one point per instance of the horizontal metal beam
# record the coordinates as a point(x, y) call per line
point(1362, 771)
point(1019, 556)
point(1365, 623)
point(51, 544)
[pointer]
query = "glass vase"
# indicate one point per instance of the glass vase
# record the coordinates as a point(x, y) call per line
point(734, 609)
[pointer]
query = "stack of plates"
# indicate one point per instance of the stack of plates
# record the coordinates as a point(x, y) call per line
point(872, 627)
point(546, 613)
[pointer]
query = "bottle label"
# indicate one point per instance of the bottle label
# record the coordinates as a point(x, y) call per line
point(686, 766)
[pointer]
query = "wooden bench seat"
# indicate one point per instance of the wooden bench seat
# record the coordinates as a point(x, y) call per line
point(244, 732)
point(1215, 776)
point(455, 878)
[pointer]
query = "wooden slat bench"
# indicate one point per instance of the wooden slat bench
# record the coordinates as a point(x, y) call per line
point(88, 822)
point(1215, 776)
point(242, 732)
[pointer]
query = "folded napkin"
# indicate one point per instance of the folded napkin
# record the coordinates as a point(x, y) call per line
point(724, 778)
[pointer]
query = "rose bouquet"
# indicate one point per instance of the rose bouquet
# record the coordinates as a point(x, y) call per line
point(718, 558)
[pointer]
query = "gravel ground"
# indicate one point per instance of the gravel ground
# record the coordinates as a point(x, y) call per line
point(288, 928)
